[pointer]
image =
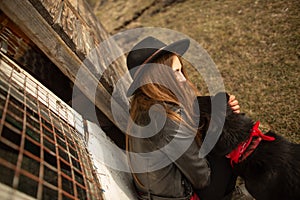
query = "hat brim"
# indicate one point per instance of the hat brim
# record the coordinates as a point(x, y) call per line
point(178, 48)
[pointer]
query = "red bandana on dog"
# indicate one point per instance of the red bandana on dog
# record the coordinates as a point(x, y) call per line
point(240, 153)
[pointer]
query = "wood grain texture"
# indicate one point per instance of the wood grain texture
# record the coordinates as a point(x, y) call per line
point(66, 31)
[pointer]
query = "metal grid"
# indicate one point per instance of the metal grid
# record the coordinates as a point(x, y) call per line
point(42, 149)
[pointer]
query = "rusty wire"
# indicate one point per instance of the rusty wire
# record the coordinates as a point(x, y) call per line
point(41, 153)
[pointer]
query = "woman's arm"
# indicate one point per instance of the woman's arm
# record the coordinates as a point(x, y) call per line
point(184, 151)
point(194, 168)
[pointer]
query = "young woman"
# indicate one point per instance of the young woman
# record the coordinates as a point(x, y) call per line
point(163, 140)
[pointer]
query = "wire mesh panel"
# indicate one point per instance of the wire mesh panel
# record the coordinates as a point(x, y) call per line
point(42, 149)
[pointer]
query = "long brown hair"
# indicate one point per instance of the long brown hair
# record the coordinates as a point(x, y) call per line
point(153, 93)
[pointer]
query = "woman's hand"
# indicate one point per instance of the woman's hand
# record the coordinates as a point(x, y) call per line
point(234, 104)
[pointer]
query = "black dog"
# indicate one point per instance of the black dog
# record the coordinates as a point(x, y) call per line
point(268, 163)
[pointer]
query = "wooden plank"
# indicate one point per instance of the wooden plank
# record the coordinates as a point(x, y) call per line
point(69, 59)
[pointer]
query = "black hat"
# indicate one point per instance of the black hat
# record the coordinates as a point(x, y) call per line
point(148, 50)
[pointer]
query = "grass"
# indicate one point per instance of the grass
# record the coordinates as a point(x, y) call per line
point(255, 45)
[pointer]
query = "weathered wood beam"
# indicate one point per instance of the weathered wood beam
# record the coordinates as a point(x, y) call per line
point(67, 32)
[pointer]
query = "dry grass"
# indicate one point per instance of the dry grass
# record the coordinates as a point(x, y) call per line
point(255, 44)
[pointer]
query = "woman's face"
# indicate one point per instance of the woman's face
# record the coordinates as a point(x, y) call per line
point(177, 68)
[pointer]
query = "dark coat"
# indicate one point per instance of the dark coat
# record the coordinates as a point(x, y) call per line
point(172, 179)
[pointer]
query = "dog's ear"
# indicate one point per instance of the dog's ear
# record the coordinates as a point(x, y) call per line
point(204, 103)
point(220, 102)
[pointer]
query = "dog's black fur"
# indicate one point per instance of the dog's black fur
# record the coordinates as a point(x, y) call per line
point(272, 171)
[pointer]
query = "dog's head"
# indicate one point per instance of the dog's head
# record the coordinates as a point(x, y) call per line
point(235, 127)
